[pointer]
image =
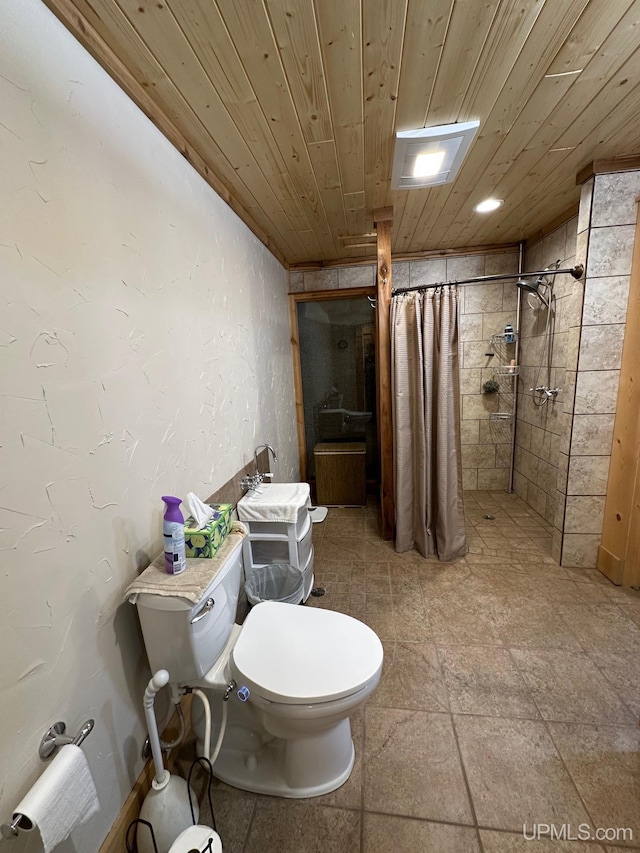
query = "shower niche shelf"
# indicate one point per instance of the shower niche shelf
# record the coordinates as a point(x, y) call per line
point(506, 370)
point(502, 338)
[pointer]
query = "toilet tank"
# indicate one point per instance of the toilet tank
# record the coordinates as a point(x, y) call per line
point(186, 638)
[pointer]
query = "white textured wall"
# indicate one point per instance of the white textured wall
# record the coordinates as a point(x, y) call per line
point(144, 350)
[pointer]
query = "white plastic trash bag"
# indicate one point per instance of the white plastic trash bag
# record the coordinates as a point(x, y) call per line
point(276, 582)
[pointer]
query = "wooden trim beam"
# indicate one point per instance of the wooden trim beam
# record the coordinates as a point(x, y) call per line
point(321, 295)
point(625, 163)
point(619, 551)
point(297, 383)
point(492, 249)
point(82, 30)
point(383, 220)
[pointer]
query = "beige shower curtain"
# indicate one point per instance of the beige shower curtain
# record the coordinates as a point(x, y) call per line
point(426, 423)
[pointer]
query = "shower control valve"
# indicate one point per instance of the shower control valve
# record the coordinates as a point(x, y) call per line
point(547, 392)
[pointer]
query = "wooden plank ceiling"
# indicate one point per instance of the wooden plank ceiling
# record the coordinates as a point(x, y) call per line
point(289, 107)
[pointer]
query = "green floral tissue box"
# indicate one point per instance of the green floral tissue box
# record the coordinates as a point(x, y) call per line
point(206, 542)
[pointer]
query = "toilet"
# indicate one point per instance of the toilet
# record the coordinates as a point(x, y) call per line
point(293, 674)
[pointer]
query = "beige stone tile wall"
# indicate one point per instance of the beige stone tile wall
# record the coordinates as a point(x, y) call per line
point(485, 309)
point(605, 245)
point(541, 430)
point(574, 434)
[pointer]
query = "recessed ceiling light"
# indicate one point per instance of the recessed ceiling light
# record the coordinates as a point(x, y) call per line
point(488, 205)
point(430, 155)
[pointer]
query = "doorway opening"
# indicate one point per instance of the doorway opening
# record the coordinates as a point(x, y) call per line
point(336, 390)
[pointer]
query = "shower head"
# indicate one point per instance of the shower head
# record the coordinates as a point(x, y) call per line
point(527, 286)
point(534, 288)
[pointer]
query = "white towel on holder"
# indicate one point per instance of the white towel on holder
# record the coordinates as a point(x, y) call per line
point(275, 502)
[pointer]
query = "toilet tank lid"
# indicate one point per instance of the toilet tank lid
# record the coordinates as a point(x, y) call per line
point(294, 654)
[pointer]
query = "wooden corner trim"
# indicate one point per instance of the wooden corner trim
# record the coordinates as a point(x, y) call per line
point(383, 214)
point(624, 163)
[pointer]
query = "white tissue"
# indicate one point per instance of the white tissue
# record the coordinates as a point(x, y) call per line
point(199, 511)
point(63, 798)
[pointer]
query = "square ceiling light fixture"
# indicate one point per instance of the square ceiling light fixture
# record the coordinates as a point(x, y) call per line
point(430, 155)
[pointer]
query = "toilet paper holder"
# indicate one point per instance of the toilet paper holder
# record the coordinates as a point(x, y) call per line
point(53, 738)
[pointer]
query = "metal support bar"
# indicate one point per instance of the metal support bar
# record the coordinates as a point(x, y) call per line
point(518, 353)
point(577, 272)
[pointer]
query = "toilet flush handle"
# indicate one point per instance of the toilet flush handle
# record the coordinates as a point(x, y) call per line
point(208, 607)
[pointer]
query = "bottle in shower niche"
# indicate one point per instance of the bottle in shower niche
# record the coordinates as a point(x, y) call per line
point(173, 532)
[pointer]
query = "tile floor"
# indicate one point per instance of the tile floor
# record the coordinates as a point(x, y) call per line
point(510, 696)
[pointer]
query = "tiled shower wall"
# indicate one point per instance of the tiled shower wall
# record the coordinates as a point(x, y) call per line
point(606, 232)
point(539, 429)
point(485, 310)
point(572, 436)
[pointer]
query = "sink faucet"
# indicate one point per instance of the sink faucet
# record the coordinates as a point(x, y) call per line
point(252, 482)
point(255, 457)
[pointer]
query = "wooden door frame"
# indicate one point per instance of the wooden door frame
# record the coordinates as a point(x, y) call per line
point(294, 299)
point(383, 221)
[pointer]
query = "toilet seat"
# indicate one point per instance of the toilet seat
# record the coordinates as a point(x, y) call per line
point(300, 655)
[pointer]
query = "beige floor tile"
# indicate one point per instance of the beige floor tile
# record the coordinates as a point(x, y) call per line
point(410, 619)
point(587, 576)
point(507, 842)
point(568, 686)
point(463, 622)
point(233, 810)
point(405, 585)
point(602, 627)
point(286, 827)
point(377, 584)
point(600, 593)
point(534, 625)
point(387, 834)
point(484, 680)
point(437, 581)
point(631, 613)
point(371, 528)
point(378, 551)
point(623, 674)
point(346, 512)
point(554, 591)
point(340, 548)
point(344, 526)
point(604, 762)
point(411, 678)
point(379, 616)
point(412, 766)
point(515, 774)
point(378, 569)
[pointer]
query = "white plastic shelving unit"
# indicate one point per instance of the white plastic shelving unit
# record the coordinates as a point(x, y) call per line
point(271, 542)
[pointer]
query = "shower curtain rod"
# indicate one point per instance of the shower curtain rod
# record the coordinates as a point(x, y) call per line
point(576, 272)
